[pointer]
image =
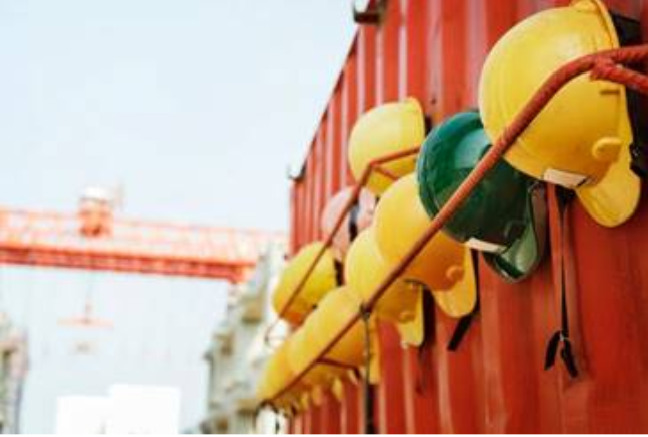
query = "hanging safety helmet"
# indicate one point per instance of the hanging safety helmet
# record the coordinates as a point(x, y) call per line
point(276, 376)
point(582, 138)
point(333, 313)
point(401, 304)
point(358, 218)
point(443, 265)
point(386, 129)
point(301, 354)
point(322, 279)
point(504, 216)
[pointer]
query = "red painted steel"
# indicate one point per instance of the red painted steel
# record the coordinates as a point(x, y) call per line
point(51, 239)
point(495, 382)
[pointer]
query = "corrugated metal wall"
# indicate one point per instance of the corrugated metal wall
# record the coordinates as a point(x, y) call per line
point(434, 50)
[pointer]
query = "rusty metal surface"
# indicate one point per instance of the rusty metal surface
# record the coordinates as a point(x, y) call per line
point(495, 382)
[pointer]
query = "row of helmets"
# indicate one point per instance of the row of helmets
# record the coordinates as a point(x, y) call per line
point(582, 140)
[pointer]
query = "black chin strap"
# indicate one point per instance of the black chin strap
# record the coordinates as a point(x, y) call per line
point(629, 32)
point(354, 212)
point(561, 337)
point(464, 323)
point(639, 147)
point(339, 272)
point(461, 329)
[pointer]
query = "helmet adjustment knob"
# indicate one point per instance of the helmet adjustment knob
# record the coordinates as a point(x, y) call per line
point(606, 149)
point(454, 273)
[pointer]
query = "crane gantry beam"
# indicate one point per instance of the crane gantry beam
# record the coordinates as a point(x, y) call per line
point(52, 239)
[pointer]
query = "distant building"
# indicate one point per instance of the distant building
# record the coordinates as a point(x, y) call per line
point(127, 409)
point(78, 414)
point(13, 369)
point(238, 353)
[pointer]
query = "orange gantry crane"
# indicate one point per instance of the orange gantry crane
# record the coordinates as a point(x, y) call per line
point(96, 240)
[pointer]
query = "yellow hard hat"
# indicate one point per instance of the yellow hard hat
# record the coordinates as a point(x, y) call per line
point(276, 376)
point(401, 304)
point(301, 354)
point(322, 279)
point(444, 265)
point(384, 130)
point(582, 138)
point(334, 311)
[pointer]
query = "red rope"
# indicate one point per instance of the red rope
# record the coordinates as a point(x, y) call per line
point(600, 62)
point(606, 69)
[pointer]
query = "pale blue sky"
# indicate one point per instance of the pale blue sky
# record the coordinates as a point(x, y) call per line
point(196, 107)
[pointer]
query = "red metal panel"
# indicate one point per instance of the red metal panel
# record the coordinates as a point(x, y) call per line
point(301, 209)
point(349, 113)
point(433, 69)
point(316, 425)
point(453, 49)
point(328, 154)
point(309, 219)
point(388, 53)
point(421, 387)
point(330, 415)
point(294, 218)
point(416, 48)
point(366, 68)
point(337, 154)
point(496, 381)
point(512, 369)
point(390, 405)
point(307, 419)
point(476, 45)
point(302, 214)
point(295, 229)
point(321, 146)
point(313, 192)
point(351, 420)
point(609, 300)
point(316, 186)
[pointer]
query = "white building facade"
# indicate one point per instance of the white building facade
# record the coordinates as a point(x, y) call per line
point(238, 352)
point(13, 370)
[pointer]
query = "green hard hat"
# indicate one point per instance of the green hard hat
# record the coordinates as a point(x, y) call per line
point(504, 217)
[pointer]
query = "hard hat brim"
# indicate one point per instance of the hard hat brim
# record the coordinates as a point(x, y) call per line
point(613, 199)
point(461, 298)
point(521, 258)
point(413, 332)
